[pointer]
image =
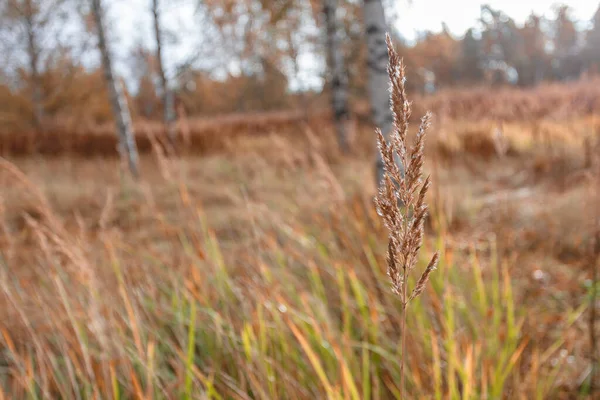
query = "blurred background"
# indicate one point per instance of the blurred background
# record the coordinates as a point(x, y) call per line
point(186, 199)
point(217, 55)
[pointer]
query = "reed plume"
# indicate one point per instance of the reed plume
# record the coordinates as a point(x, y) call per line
point(401, 198)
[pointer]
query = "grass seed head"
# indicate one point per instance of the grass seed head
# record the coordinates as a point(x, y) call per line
point(401, 199)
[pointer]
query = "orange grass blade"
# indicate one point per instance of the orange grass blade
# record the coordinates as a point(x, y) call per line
point(312, 357)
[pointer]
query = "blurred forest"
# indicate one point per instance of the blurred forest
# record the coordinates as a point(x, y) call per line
point(48, 75)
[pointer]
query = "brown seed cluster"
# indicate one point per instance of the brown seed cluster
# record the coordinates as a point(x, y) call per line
point(401, 198)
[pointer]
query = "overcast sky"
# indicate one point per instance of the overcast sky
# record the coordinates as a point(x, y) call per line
point(132, 23)
point(460, 15)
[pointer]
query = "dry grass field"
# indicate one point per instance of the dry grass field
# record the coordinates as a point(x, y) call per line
point(252, 265)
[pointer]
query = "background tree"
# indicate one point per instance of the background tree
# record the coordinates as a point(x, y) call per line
point(127, 145)
point(337, 75)
point(377, 60)
point(566, 52)
point(501, 45)
point(471, 61)
point(272, 47)
point(33, 33)
point(592, 44)
point(254, 49)
point(533, 61)
point(165, 89)
point(294, 40)
point(434, 57)
point(143, 72)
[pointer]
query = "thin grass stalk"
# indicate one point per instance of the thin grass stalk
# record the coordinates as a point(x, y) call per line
point(403, 341)
point(592, 321)
point(401, 198)
point(594, 261)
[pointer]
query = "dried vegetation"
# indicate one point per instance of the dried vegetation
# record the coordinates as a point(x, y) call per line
point(254, 265)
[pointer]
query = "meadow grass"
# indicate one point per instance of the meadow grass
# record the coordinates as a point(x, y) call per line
point(244, 278)
point(303, 310)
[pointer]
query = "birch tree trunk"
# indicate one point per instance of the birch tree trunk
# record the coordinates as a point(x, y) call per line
point(33, 52)
point(166, 94)
point(127, 146)
point(337, 74)
point(377, 61)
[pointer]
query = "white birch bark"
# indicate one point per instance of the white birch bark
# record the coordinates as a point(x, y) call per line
point(377, 61)
point(127, 146)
